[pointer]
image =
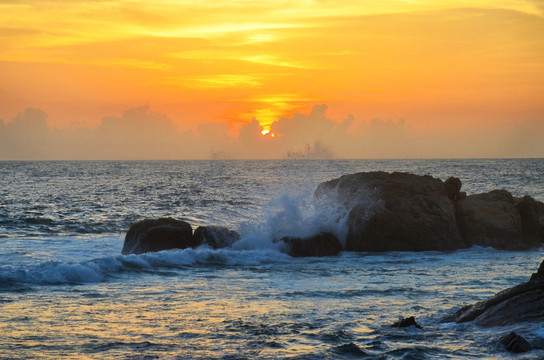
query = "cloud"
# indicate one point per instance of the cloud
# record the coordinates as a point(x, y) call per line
point(305, 128)
point(138, 133)
point(141, 133)
point(26, 137)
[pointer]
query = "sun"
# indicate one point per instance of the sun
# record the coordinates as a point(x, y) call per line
point(266, 132)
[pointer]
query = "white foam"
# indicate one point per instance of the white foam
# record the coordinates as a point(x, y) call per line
point(99, 270)
point(295, 213)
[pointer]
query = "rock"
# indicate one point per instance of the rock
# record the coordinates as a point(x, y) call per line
point(532, 217)
point(540, 206)
point(407, 322)
point(394, 212)
point(322, 244)
point(453, 186)
point(351, 350)
point(519, 304)
point(215, 236)
point(493, 219)
point(539, 275)
point(515, 343)
point(156, 235)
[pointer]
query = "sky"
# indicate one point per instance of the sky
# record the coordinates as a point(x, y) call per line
point(163, 79)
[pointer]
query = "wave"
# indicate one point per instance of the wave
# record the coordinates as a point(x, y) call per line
point(101, 269)
point(294, 212)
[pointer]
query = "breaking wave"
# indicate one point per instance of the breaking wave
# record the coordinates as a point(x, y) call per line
point(102, 269)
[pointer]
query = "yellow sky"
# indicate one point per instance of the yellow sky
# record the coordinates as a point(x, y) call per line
point(437, 64)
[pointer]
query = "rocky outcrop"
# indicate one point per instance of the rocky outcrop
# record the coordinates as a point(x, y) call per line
point(397, 211)
point(492, 219)
point(156, 235)
point(166, 233)
point(407, 212)
point(322, 244)
point(383, 212)
point(217, 237)
point(519, 304)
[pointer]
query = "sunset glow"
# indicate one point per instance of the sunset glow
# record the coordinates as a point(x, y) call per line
point(445, 69)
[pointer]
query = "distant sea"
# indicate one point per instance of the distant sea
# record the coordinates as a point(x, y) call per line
point(67, 292)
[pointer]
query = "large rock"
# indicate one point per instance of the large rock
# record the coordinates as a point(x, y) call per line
point(322, 244)
point(407, 212)
point(156, 235)
point(494, 219)
point(519, 304)
point(217, 237)
point(397, 211)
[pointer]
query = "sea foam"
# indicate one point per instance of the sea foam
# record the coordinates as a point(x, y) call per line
point(295, 212)
point(101, 269)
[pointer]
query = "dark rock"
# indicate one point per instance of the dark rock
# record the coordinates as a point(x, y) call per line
point(156, 235)
point(216, 236)
point(394, 212)
point(519, 304)
point(539, 275)
point(351, 349)
point(515, 343)
point(322, 244)
point(453, 186)
point(532, 217)
point(493, 219)
point(540, 206)
point(407, 322)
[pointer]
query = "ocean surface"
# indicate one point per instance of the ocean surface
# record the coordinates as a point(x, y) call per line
point(67, 292)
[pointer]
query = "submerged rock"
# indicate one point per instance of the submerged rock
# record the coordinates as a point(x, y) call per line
point(519, 304)
point(158, 234)
point(351, 350)
point(217, 237)
point(394, 212)
point(515, 343)
point(407, 322)
point(322, 244)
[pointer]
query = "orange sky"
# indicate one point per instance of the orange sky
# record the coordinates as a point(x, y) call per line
point(441, 66)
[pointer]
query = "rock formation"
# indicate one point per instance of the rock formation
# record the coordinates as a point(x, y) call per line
point(156, 235)
point(407, 212)
point(322, 244)
point(395, 212)
point(385, 212)
point(519, 304)
point(217, 237)
point(499, 220)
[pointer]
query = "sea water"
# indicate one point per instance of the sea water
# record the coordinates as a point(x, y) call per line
point(67, 292)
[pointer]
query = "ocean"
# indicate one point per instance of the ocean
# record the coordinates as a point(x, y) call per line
point(67, 292)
